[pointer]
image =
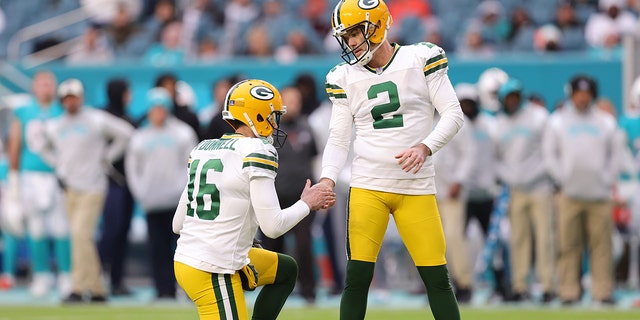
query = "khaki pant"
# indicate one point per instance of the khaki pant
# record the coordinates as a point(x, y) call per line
point(583, 222)
point(84, 210)
point(531, 218)
point(453, 215)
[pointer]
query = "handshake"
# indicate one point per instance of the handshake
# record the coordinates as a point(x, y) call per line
point(320, 195)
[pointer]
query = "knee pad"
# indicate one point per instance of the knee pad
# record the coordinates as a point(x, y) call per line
point(287, 269)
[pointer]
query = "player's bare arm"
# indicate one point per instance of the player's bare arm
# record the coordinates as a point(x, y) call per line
point(320, 196)
point(14, 144)
point(411, 159)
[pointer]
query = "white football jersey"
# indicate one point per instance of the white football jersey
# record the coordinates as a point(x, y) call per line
point(221, 223)
point(391, 108)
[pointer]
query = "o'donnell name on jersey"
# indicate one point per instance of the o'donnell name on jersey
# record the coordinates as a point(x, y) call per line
point(217, 144)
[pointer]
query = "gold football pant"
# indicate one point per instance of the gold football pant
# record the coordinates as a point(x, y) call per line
point(416, 217)
point(220, 296)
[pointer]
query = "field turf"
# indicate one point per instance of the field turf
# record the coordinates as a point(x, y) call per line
point(182, 312)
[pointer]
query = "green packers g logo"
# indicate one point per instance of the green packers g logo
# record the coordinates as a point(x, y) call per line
point(368, 4)
point(262, 93)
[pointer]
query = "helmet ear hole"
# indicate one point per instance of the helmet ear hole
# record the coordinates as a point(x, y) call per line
point(250, 102)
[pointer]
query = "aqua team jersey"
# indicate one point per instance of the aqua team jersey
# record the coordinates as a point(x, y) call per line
point(631, 126)
point(32, 118)
point(4, 167)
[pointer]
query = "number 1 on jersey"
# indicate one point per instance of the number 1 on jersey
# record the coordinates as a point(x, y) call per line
point(207, 198)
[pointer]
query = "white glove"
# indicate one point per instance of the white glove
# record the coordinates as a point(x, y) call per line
point(12, 217)
point(13, 185)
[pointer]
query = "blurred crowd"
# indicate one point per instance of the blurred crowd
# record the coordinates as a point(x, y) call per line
point(167, 32)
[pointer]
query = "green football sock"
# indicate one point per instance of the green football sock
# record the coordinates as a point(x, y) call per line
point(441, 298)
point(272, 297)
point(353, 304)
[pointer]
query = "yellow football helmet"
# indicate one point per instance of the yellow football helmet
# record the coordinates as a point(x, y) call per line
point(257, 104)
point(373, 19)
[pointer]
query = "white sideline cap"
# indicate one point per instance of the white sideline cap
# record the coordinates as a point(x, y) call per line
point(70, 87)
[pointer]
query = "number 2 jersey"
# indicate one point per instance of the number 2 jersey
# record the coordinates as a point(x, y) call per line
point(391, 109)
point(221, 221)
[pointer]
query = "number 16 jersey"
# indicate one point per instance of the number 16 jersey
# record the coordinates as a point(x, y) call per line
point(220, 221)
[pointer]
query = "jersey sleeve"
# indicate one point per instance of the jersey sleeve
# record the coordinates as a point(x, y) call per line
point(336, 150)
point(19, 114)
point(334, 88)
point(436, 61)
point(273, 220)
point(442, 95)
point(261, 160)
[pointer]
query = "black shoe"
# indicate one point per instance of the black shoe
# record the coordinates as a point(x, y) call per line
point(73, 298)
point(568, 302)
point(463, 295)
point(608, 301)
point(548, 297)
point(120, 291)
point(166, 296)
point(98, 298)
point(517, 297)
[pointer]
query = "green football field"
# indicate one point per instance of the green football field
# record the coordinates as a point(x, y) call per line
point(163, 312)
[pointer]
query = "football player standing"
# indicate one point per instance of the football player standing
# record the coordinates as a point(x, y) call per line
point(43, 217)
point(389, 94)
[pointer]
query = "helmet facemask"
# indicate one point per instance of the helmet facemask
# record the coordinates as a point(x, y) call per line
point(367, 30)
point(278, 137)
point(275, 136)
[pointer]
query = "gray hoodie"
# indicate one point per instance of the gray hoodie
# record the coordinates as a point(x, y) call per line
point(579, 151)
point(156, 163)
point(454, 161)
point(482, 182)
point(81, 144)
point(520, 164)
